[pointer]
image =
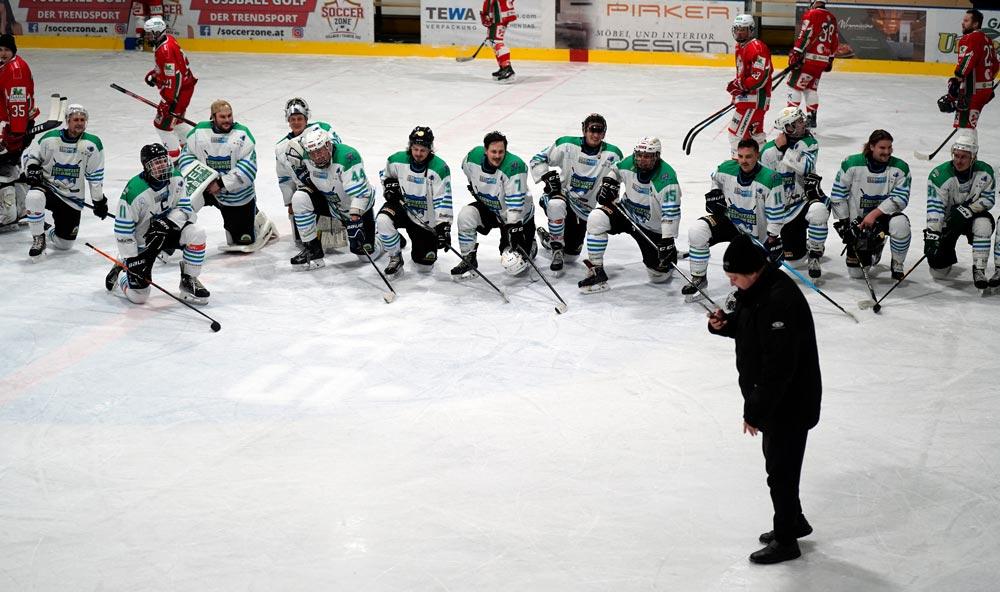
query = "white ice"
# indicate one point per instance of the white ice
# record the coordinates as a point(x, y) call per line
point(325, 440)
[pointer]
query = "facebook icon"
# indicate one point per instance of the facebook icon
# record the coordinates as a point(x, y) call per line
point(205, 31)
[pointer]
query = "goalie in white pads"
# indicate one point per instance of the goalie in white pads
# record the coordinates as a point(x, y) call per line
point(417, 189)
point(960, 195)
point(288, 157)
point(651, 198)
point(868, 198)
point(746, 198)
point(498, 180)
point(793, 154)
point(332, 183)
point(57, 167)
point(156, 213)
point(229, 148)
point(571, 191)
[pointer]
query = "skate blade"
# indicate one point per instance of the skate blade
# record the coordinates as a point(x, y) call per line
point(557, 273)
point(692, 298)
point(463, 277)
point(987, 292)
point(595, 289)
point(314, 264)
point(37, 258)
point(191, 298)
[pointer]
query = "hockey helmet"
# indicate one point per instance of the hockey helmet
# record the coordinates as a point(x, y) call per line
point(744, 21)
point(648, 145)
point(788, 117)
point(513, 262)
point(966, 140)
point(296, 105)
point(76, 109)
point(155, 25)
point(319, 144)
point(155, 162)
point(422, 136)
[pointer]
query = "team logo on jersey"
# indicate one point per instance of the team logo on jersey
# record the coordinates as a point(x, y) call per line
point(777, 325)
point(18, 94)
point(415, 179)
point(586, 161)
point(67, 149)
point(169, 69)
point(487, 180)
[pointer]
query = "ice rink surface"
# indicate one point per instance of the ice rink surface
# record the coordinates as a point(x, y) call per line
point(325, 440)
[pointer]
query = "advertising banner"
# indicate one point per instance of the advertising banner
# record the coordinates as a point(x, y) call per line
point(879, 33)
point(97, 18)
point(456, 22)
point(944, 28)
point(693, 26)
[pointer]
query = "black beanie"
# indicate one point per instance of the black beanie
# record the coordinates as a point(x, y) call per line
point(743, 256)
point(7, 40)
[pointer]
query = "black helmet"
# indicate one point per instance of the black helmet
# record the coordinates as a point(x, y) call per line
point(155, 162)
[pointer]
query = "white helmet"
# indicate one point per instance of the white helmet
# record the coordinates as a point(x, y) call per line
point(315, 138)
point(744, 21)
point(155, 25)
point(75, 109)
point(296, 105)
point(967, 141)
point(788, 116)
point(648, 145)
point(513, 262)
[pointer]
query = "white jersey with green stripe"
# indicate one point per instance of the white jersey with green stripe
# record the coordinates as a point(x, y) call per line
point(67, 164)
point(504, 189)
point(945, 190)
point(288, 155)
point(793, 164)
point(342, 182)
point(426, 189)
point(232, 154)
point(755, 204)
point(858, 189)
point(140, 202)
point(580, 172)
point(653, 204)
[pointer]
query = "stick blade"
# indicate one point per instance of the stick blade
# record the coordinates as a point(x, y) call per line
point(389, 297)
point(561, 308)
point(866, 304)
point(463, 59)
point(921, 155)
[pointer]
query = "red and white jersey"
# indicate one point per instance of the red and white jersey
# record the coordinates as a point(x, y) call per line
point(819, 36)
point(502, 11)
point(977, 60)
point(754, 69)
point(17, 102)
point(172, 69)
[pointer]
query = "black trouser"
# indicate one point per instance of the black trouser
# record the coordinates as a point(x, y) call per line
point(793, 235)
point(424, 248)
point(621, 225)
point(489, 221)
point(65, 218)
point(783, 453)
point(237, 220)
point(574, 229)
point(945, 255)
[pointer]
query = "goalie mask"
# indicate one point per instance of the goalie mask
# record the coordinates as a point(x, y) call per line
point(513, 262)
point(155, 162)
point(296, 106)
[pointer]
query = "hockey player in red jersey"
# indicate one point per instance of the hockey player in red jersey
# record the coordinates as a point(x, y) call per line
point(176, 82)
point(812, 55)
point(17, 103)
point(145, 10)
point(751, 89)
point(972, 85)
point(495, 16)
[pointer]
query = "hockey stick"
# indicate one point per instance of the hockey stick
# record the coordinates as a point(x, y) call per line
point(215, 324)
point(803, 278)
point(866, 304)
point(674, 265)
point(57, 110)
point(463, 59)
point(92, 207)
point(926, 156)
point(143, 99)
point(876, 307)
point(562, 306)
point(701, 125)
point(387, 296)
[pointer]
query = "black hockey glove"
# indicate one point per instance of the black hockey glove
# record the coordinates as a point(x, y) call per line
point(846, 232)
point(959, 218)
point(140, 270)
point(443, 231)
point(393, 192)
point(715, 202)
point(553, 186)
point(608, 192)
point(829, 65)
point(162, 234)
point(666, 254)
point(775, 249)
point(151, 78)
point(356, 235)
point(954, 87)
point(946, 104)
point(101, 208)
point(811, 187)
point(795, 58)
point(932, 240)
point(515, 235)
point(33, 176)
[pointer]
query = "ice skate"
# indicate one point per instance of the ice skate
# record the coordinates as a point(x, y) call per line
point(897, 270)
point(506, 74)
point(464, 269)
point(596, 280)
point(814, 269)
point(395, 267)
point(556, 266)
point(111, 280)
point(545, 238)
point(979, 278)
point(310, 257)
point(691, 290)
point(37, 247)
point(192, 290)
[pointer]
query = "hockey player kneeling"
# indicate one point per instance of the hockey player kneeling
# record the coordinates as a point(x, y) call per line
point(229, 148)
point(157, 213)
point(498, 180)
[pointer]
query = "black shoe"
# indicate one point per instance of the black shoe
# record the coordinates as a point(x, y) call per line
point(112, 278)
point(811, 120)
point(557, 258)
point(776, 552)
point(803, 529)
point(497, 73)
point(466, 266)
point(815, 271)
point(395, 266)
point(310, 257)
point(37, 246)
point(505, 73)
point(596, 280)
point(193, 290)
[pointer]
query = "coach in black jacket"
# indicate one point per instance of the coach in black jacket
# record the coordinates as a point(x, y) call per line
point(780, 379)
